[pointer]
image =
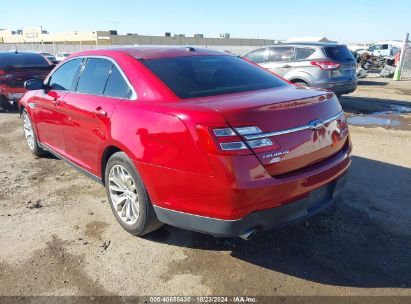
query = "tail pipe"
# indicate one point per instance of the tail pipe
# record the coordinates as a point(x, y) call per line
point(248, 235)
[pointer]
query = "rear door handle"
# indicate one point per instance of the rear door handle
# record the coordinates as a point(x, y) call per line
point(55, 102)
point(100, 112)
point(286, 66)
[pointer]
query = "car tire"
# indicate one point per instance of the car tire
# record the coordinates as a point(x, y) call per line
point(128, 196)
point(30, 135)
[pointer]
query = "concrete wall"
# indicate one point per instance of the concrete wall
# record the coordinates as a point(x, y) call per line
point(161, 40)
point(72, 48)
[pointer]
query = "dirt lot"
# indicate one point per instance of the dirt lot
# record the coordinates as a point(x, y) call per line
point(59, 237)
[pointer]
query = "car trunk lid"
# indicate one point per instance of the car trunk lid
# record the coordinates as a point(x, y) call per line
point(306, 126)
point(15, 77)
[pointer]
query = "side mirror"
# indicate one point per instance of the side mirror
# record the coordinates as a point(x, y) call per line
point(34, 84)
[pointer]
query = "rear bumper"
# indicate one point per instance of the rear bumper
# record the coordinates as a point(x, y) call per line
point(339, 88)
point(266, 219)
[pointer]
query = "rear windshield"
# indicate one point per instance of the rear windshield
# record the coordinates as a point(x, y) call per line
point(198, 76)
point(22, 60)
point(339, 53)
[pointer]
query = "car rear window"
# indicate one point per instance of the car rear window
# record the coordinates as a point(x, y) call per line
point(199, 76)
point(22, 60)
point(338, 53)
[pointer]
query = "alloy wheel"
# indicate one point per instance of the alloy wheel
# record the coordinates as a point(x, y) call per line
point(28, 131)
point(124, 195)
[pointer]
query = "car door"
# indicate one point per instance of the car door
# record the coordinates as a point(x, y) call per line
point(89, 108)
point(376, 49)
point(279, 58)
point(385, 50)
point(49, 117)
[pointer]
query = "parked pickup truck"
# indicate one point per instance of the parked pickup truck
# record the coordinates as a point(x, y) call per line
point(381, 49)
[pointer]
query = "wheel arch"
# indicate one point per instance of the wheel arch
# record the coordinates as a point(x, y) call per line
point(299, 79)
point(107, 153)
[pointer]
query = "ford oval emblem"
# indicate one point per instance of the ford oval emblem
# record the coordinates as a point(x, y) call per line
point(316, 124)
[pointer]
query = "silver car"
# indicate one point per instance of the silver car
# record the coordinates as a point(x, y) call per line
point(321, 65)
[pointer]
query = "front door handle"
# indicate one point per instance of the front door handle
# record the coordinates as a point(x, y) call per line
point(100, 112)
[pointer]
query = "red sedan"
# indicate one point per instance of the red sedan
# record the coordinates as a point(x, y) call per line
point(194, 138)
point(15, 69)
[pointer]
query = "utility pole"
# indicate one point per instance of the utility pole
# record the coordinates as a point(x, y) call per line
point(398, 70)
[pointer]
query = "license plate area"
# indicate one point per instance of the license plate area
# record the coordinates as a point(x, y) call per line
point(15, 96)
point(320, 197)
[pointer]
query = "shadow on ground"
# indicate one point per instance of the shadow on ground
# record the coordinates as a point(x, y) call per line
point(367, 105)
point(350, 244)
point(372, 83)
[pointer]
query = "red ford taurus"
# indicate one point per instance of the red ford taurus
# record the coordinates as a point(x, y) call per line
point(194, 138)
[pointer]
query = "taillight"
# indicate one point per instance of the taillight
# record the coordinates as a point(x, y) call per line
point(326, 65)
point(3, 74)
point(226, 140)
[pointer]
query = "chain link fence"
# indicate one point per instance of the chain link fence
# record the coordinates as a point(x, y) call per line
point(406, 69)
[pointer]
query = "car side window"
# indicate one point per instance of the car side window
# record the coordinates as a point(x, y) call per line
point(303, 53)
point(94, 76)
point(116, 85)
point(280, 53)
point(63, 78)
point(384, 47)
point(257, 56)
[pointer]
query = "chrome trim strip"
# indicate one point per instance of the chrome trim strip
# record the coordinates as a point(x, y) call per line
point(292, 130)
point(192, 214)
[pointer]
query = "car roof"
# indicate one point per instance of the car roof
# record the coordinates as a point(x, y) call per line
point(156, 52)
point(18, 53)
point(307, 44)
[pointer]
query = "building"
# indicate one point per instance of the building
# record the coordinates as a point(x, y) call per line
point(39, 35)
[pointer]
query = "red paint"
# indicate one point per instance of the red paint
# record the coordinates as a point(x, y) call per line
point(12, 80)
point(171, 143)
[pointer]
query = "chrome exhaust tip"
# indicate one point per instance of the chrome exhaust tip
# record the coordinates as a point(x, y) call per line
point(248, 235)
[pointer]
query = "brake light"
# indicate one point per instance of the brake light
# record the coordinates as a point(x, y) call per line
point(226, 140)
point(326, 65)
point(3, 74)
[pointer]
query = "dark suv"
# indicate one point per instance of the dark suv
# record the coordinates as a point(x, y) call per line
point(321, 65)
point(15, 69)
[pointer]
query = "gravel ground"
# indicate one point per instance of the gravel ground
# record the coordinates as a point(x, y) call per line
point(59, 237)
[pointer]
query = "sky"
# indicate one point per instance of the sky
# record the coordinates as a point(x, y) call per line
point(346, 21)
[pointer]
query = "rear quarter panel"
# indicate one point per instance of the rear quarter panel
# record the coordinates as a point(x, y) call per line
point(158, 136)
point(163, 146)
